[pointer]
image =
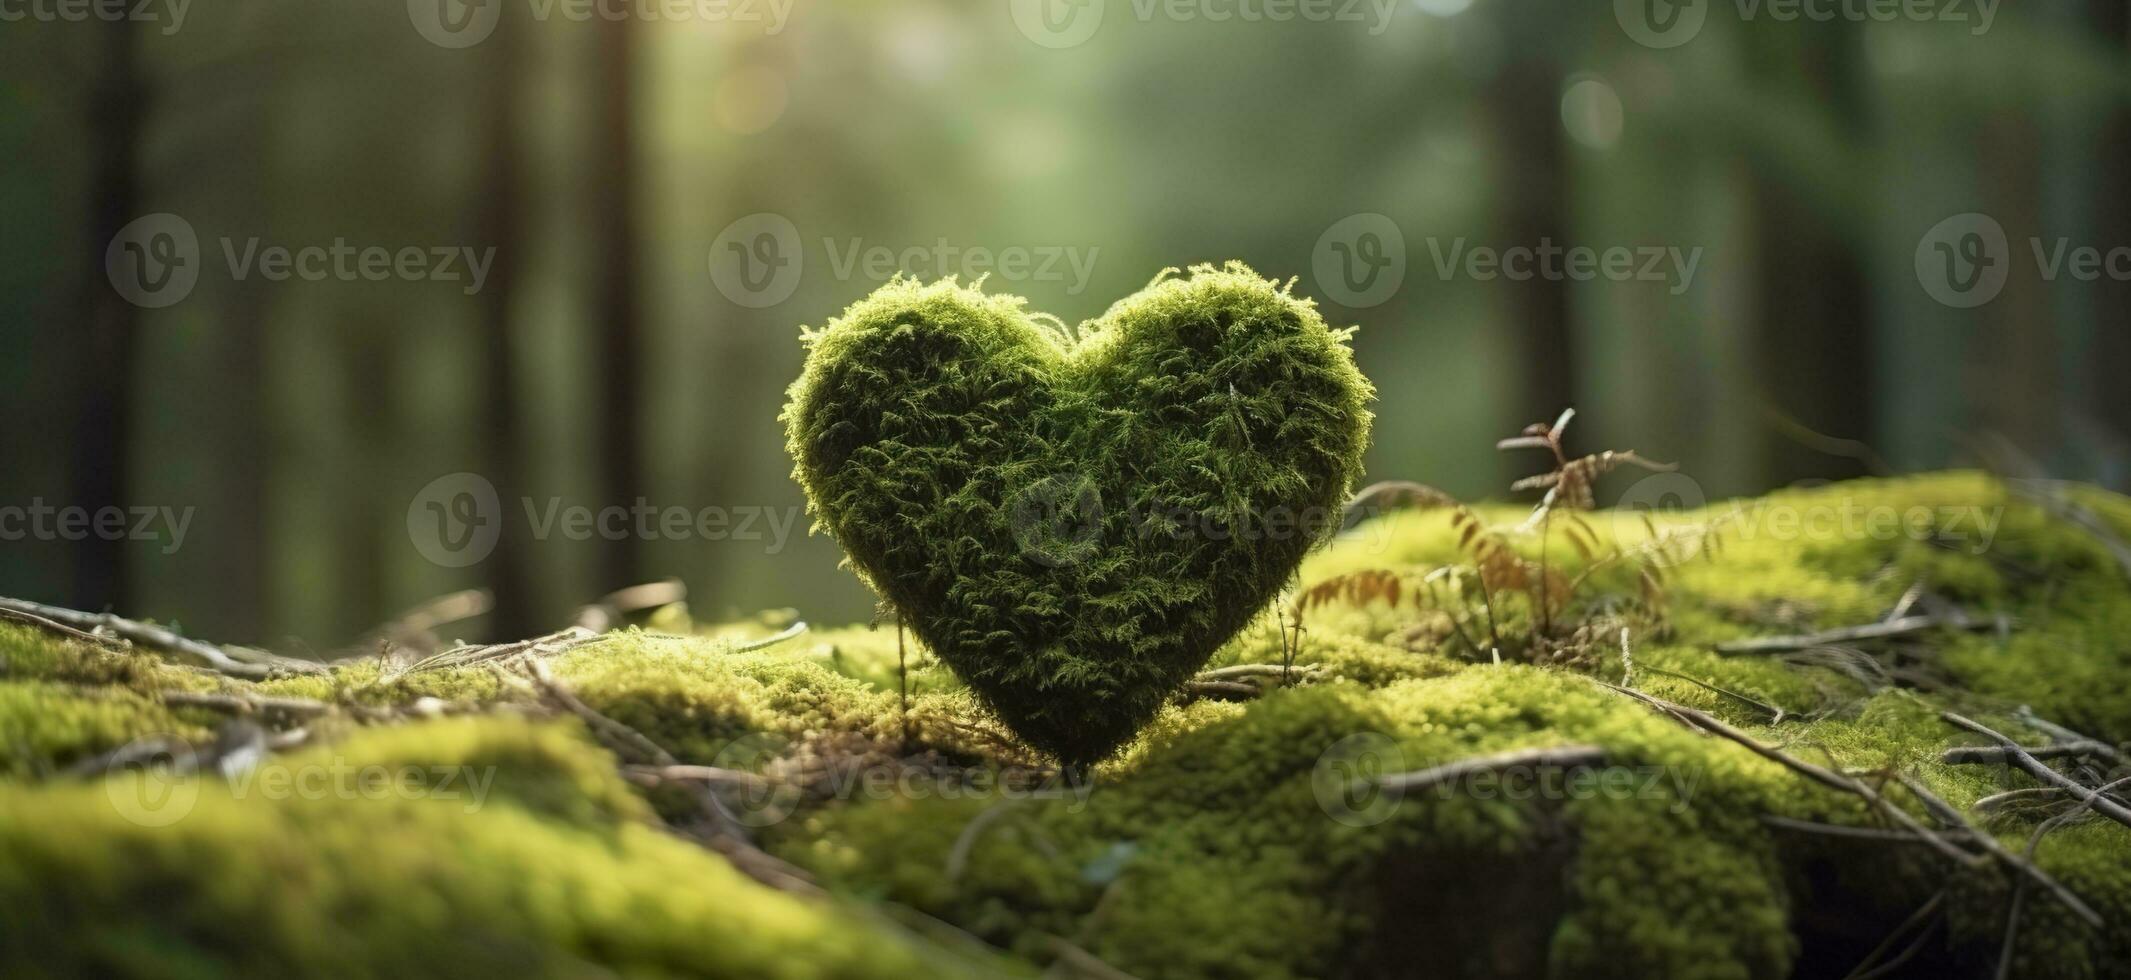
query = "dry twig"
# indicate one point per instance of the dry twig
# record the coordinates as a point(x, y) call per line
point(1884, 630)
point(99, 639)
point(1550, 757)
point(235, 661)
point(2021, 758)
point(609, 611)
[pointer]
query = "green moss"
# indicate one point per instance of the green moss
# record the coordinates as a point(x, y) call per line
point(1075, 525)
point(694, 697)
point(244, 885)
point(27, 652)
point(45, 727)
point(1223, 839)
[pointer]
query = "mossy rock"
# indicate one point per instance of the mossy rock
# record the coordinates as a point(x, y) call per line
point(1223, 840)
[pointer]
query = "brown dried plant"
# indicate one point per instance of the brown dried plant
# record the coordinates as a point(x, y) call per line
point(1496, 573)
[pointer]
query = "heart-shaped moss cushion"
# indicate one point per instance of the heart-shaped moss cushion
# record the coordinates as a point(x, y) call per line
point(1075, 525)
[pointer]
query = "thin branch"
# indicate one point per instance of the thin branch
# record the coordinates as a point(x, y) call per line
point(1240, 671)
point(1776, 714)
point(255, 664)
point(415, 629)
point(1946, 814)
point(1221, 690)
point(713, 775)
point(1886, 630)
point(1840, 830)
point(2034, 843)
point(791, 632)
point(1551, 757)
point(550, 645)
point(248, 704)
point(2051, 497)
point(2063, 734)
point(1977, 755)
point(1085, 963)
point(2021, 759)
point(32, 619)
point(609, 611)
point(966, 841)
point(1820, 774)
point(1926, 915)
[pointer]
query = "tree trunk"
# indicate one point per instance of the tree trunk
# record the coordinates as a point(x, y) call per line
point(1812, 335)
point(103, 433)
point(616, 317)
point(501, 218)
point(2108, 396)
point(1532, 209)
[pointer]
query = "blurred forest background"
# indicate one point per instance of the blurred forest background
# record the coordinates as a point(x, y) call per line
point(603, 159)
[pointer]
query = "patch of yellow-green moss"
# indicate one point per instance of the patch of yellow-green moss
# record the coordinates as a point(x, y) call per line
point(1227, 839)
point(332, 876)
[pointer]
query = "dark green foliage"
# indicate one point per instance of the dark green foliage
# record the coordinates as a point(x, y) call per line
point(1074, 525)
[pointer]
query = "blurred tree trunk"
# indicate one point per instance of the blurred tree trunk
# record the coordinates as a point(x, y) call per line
point(370, 380)
point(619, 461)
point(103, 434)
point(2013, 373)
point(248, 426)
point(2111, 330)
point(1812, 335)
point(1531, 208)
point(501, 226)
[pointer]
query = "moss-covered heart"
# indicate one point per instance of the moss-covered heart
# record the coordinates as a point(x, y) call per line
point(1075, 524)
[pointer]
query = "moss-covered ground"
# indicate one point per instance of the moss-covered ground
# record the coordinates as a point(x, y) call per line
point(486, 833)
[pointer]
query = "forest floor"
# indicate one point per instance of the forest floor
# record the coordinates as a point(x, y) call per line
point(1868, 729)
